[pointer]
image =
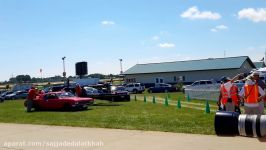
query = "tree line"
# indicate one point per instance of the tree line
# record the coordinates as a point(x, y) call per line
point(29, 79)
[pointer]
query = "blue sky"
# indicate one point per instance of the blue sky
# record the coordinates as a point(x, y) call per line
point(36, 34)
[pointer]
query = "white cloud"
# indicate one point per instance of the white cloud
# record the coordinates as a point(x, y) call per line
point(255, 15)
point(221, 27)
point(193, 13)
point(105, 22)
point(155, 38)
point(218, 28)
point(166, 45)
point(213, 30)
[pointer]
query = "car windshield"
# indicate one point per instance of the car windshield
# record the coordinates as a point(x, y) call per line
point(65, 94)
point(90, 90)
point(117, 88)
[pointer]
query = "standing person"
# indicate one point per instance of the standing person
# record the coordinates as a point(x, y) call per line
point(30, 98)
point(252, 94)
point(256, 76)
point(78, 90)
point(229, 99)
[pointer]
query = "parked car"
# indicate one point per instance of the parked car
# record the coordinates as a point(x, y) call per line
point(202, 82)
point(134, 88)
point(112, 93)
point(199, 83)
point(17, 95)
point(162, 87)
point(60, 101)
point(59, 88)
point(5, 93)
point(2, 99)
point(91, 91)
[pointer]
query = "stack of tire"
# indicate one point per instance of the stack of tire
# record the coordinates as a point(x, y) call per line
point(232, 124)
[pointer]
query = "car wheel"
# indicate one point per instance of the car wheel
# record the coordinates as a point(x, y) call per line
point(67, 107)
point(36, 107)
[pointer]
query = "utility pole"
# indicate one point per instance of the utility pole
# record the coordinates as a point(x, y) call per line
point(64, 69)
point(264, 59)
point(121, 69)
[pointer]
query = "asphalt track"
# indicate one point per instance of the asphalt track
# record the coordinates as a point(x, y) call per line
point(43, 137)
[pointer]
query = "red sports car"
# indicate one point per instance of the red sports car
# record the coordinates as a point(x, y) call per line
point(60, 101)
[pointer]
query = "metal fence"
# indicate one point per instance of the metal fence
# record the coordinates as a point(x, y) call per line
point(203, 92)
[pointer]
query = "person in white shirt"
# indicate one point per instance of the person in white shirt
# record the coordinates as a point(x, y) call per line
point(252, 94)
point(229, 99)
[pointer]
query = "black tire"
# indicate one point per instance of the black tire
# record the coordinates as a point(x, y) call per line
point(36, 107)
point(67, 107)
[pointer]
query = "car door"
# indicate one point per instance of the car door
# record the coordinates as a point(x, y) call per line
point(50, 101)
point(129, 87)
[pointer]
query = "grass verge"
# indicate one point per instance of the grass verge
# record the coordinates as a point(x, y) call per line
point(134, 115)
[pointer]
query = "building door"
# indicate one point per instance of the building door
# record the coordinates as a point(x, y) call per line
point(159, 80)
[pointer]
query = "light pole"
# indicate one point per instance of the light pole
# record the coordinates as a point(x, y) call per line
point(121, 71)
point(64, 69)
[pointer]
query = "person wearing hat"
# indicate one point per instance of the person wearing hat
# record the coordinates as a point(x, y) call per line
point(78, 90)
point(229, 99)
point(252, 94)
point(31, 96)
point(256, 76)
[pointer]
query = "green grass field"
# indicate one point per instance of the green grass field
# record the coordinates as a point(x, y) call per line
point(134, 115)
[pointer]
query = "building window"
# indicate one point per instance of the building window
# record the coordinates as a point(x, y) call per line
point(131, 80)
point(175, 78)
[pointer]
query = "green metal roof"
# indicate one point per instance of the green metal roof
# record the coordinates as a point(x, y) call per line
point(259, 64)
point(192, 65)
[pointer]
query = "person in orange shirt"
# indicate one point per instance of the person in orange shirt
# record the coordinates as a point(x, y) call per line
point(229, 99)
point(252, 94)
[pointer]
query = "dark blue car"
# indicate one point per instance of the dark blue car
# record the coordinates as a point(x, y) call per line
point(162, 87)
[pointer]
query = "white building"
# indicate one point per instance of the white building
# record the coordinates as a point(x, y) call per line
point(188, 71)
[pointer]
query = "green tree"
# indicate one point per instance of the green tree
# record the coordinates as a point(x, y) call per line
point(23, 78)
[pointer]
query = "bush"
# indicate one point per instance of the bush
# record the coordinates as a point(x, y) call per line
point(179, 87)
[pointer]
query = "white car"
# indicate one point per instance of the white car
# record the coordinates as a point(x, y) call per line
point(200, 83)
point(134, 88)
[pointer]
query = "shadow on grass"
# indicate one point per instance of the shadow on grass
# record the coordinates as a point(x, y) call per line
point(73, 110)
point(107, 104)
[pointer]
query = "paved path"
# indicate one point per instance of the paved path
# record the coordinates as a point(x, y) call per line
point(35, 137)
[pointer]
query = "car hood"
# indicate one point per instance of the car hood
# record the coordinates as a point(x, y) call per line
point(78, 99)
point(9, 95)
